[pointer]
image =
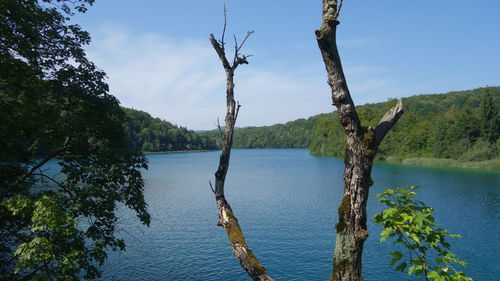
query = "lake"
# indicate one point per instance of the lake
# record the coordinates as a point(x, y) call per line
point(286, 202)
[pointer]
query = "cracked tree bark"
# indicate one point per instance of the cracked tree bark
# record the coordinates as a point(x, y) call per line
point(361, 145)
point(227, 219)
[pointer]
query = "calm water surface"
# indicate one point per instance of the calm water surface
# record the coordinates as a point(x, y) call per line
point(286, 201)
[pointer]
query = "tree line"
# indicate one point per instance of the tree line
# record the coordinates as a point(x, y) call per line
point(69, 154)
point(460, 125)
point(293, 134)
point(155, 135)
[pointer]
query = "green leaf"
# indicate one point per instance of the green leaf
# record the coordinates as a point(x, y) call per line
point(434, 275)
point(418, 261)
point(411, 269)
point(401, 267)
point(396, 256)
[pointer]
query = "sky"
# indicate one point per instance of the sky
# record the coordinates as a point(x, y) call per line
point(158, 58)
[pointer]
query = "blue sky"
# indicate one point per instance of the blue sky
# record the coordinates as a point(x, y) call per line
point(158, 57)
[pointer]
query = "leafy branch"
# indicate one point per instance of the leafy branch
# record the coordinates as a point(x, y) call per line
point(410, 223)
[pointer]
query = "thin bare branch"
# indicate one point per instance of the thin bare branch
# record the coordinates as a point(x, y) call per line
point(224, 29)
point(244, 40)
point(39, 165)
point(44, 177)
point(235, 58)
point(237, 111)
point(220, 129)
point(339, 6)
point(211, 187)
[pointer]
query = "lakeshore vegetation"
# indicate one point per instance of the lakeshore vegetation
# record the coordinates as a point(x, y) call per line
point(453, 129)
point(456, 129)
point(72, 158)
point(155, 135)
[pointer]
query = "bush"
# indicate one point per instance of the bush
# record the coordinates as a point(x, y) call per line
point(481, 150)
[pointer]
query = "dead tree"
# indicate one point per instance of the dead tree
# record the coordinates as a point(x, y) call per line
point(361, 145)
point(227, 219)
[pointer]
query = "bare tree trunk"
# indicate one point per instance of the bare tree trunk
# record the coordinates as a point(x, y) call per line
point(227, 219)
point(361, 144)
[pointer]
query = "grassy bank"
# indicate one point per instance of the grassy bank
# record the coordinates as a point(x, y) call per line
point(493, 164)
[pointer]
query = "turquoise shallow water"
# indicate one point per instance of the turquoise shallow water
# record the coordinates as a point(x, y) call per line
point(286, 201)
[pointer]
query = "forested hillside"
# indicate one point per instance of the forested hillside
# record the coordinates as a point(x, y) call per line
point(153, 134)
point(293, 134)
point(461, 125)
point(458, 125)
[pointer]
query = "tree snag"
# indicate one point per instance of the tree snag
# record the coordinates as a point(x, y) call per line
point(227, 219)
point(361, 145)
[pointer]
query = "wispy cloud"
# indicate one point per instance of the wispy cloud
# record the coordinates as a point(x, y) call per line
point(182, 81)
point(368, 83)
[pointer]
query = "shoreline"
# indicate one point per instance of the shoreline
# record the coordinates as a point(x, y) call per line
point(492, 165)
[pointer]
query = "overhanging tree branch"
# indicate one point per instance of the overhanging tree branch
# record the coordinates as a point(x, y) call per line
point(39, 165)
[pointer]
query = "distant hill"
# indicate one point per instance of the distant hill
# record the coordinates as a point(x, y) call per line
point(434, 126)
point(293, 134)
point(452, 126)
point(154, 135)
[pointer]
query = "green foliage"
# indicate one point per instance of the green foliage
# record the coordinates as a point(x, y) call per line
point(481, 150)
point(493, 164)
point(452, 126)
point(490, 118)
point(411, 224)
point(457, 125)
point(293, 134)
point(153, 134)
point(55, 106)
point(328, 139)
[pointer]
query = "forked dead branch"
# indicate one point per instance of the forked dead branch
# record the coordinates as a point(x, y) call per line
point(361, 145)
point(227, 219)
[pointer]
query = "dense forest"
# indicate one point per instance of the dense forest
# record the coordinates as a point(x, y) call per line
point(154, 135)
point(458, 125)
point(462, 125)
point(293, 134)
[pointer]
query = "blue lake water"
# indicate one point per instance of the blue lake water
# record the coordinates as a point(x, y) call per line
point(286, 202)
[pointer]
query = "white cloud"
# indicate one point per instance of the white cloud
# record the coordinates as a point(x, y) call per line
point(183, 82)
